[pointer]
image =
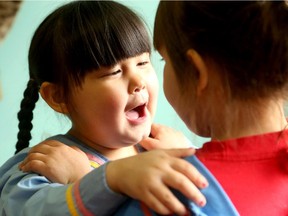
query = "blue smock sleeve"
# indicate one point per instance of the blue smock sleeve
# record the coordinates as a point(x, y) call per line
point(27, 194)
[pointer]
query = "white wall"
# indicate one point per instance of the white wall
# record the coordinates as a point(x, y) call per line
point(14, 76)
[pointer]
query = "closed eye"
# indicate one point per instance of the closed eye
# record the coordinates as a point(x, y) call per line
point(142, 63)
point(112, 73)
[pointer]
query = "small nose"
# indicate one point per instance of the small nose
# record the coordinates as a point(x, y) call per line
point(136, 84)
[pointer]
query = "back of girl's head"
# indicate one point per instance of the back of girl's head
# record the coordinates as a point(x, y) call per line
point(74, 40)
point(247, 41)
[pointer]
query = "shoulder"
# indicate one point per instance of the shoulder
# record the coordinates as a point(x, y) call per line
point(11, 176)
point(13, 162)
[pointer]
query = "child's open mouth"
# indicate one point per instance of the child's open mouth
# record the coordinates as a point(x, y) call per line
point(137, 112)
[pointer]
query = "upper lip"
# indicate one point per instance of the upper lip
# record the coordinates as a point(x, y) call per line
point(137, 105)
point(141, 100)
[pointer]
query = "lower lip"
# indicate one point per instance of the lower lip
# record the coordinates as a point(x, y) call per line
point(139, 120)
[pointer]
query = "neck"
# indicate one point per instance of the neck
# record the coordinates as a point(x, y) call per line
point(114, 154)
point(264, 117)
point(108, 152)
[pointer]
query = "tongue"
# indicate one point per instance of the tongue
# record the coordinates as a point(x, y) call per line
point(132, 114)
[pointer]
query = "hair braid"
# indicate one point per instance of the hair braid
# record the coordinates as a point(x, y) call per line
point(25, 115)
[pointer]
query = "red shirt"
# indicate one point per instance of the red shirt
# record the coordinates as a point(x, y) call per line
point(253, 171)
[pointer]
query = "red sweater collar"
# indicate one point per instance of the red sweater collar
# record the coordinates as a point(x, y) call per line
point(253, 147)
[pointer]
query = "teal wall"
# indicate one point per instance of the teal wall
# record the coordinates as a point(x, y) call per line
point(14, 76)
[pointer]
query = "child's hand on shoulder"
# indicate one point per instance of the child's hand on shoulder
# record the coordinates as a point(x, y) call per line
point(163, 137)
point(150, 175)
point(56, 161)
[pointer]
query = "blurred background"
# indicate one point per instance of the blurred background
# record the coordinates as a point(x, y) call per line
point(14, 73)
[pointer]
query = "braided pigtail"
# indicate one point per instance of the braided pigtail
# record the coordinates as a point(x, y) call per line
point(25, 115)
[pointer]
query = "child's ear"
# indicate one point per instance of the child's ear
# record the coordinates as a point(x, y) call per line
point(50, 93)
point(201, 67)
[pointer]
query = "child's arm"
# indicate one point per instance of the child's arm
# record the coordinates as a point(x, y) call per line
point(57, 161)
point(148, 176)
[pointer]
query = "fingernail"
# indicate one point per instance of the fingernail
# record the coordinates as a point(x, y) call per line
point(204, 184)
point(201, 203)
point(187, 213)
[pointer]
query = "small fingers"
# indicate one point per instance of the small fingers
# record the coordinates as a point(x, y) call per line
point(31, 157)
point(154, 129)
point(151, 143)
point(33, 166)
point(47, 147)
point(191, 172)
point(38, 163)
point(181, 183)
point(154, 203)
point(168, 200)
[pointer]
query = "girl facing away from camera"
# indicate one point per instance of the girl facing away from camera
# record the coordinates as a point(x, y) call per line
point(227, 64)
point(90, 60)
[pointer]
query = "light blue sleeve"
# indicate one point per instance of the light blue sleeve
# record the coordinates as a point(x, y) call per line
point(27, 194)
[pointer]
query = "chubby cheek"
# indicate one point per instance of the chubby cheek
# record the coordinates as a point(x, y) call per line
point(107, 104)
point(112, 104)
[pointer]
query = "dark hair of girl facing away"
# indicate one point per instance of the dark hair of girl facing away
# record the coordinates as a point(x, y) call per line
point(72, 41)
point(246, 40)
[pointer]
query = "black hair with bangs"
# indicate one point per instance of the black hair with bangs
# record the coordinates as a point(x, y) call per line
point(82, 36)
point(75, 39)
